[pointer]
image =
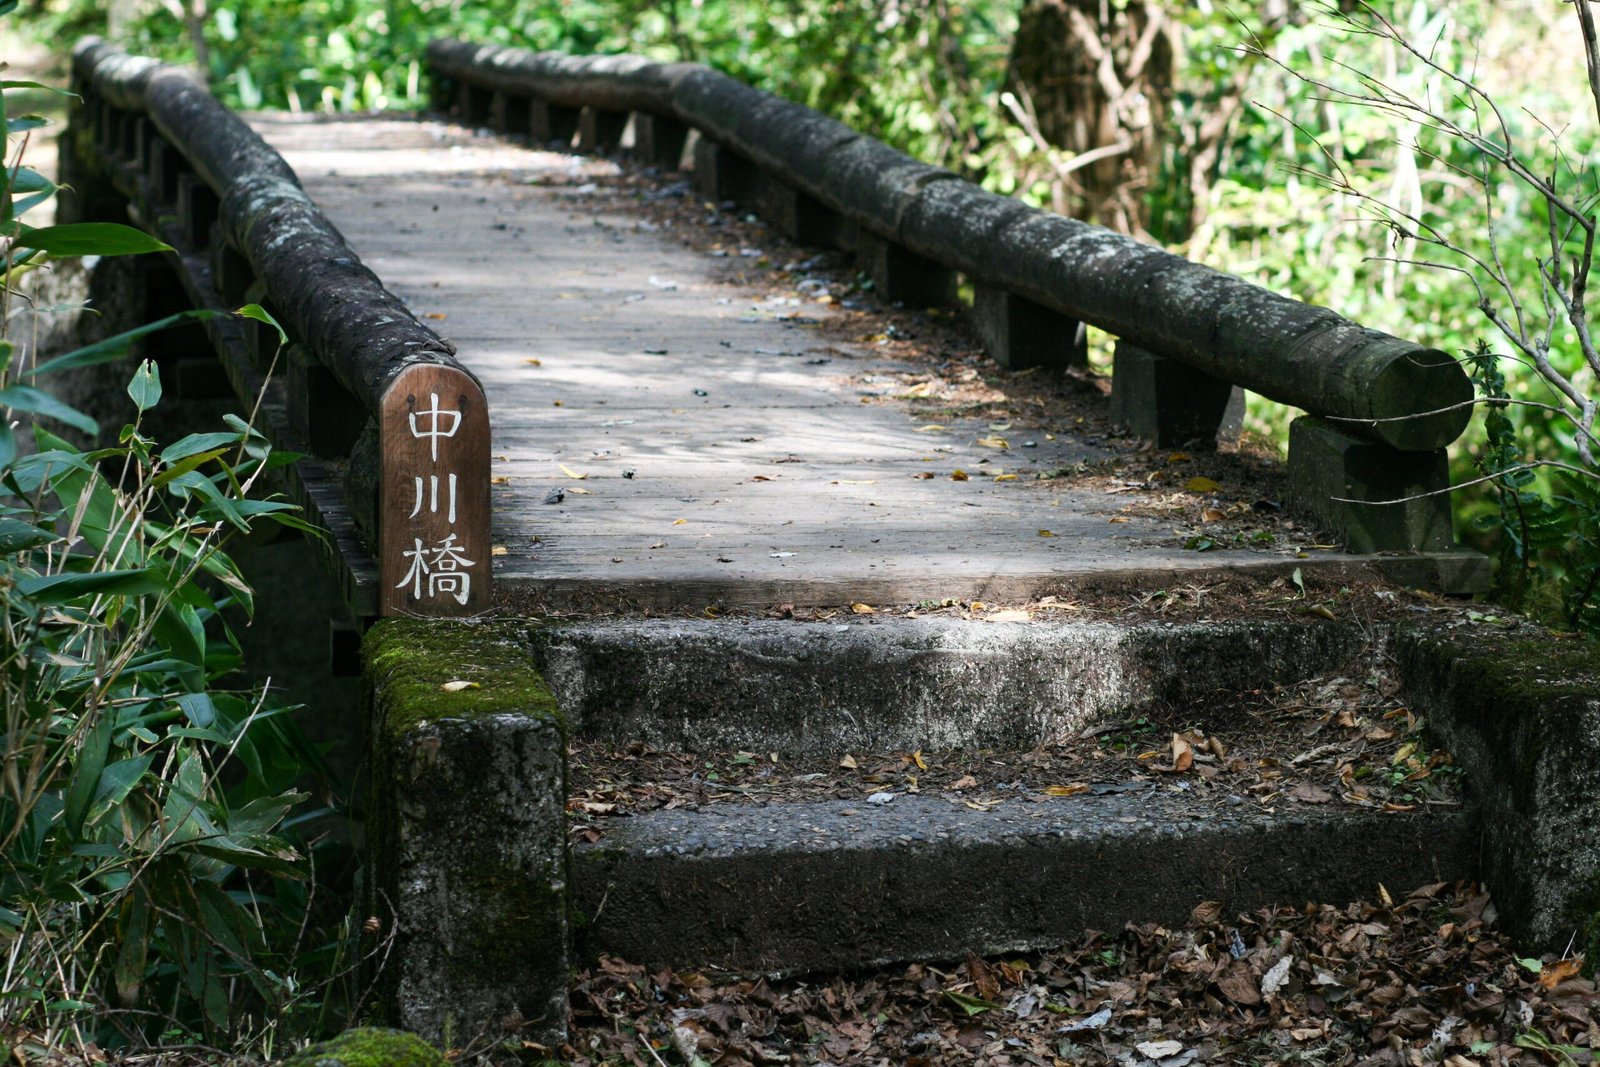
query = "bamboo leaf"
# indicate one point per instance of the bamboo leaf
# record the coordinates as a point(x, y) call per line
point(89, 239)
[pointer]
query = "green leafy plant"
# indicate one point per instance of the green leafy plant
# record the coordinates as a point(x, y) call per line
point(1512, 234)
point(144, 864)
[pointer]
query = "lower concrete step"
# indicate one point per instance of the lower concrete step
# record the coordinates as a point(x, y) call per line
point(1149, 769)
point(833, 884)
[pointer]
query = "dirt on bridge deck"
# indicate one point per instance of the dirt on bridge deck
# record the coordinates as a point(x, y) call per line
point(691, 416)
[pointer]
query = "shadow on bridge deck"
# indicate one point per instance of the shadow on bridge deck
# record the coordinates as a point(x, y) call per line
point(714, 445)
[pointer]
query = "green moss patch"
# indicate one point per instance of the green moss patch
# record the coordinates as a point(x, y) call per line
point(427, 669)
point(369, 1047)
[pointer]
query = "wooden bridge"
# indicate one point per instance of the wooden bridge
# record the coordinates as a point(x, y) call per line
point(592, 361)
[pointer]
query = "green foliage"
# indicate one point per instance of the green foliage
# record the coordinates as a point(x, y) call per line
point(148, 885)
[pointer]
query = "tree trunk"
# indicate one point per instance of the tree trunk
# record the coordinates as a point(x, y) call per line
point(1094, 79)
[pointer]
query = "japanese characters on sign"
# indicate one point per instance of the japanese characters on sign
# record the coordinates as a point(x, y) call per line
point(434, 529)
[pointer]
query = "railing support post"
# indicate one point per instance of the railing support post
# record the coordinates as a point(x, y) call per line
point(658, 141)
point(804, 219)
point(197, 209)
point(162, 166)
point(721, 174)
point(434, 555)
point(321, 410)
point(475, 103)
point(1017, 333)
point(1373, 497)
point(600, 130)
point(901, 276)
point(1170, 403)
point(551, 123)
point(509, 114)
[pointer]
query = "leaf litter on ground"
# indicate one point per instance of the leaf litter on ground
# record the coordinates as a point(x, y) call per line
point(1424, 979)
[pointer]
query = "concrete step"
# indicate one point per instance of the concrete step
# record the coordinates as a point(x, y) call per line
point(715, 821)
point(886, 683)
point(836, 884)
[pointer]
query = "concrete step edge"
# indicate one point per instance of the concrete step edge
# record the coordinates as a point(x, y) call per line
point(788, 888)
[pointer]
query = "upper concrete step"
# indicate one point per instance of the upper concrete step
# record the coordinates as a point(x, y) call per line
point(844, 883)
point(816, 687)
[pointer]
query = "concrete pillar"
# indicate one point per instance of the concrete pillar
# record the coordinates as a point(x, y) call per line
point(1017, 333)
point(1170, 403)
point(324, 414)
point(721, 174)
point(509, 114)
point(901, 276)
point(474, 103)
point(601, 131)
point(551, 124)
point(803, 218)
point(1372, 497)
point(658, 141)
point(197, 209)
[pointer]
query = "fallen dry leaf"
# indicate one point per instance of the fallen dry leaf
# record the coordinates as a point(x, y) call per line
point(1159, 1050)
point(1553, 974)
point(1239, 985)
point(456, 687)
point(1009, 615)
point(1071, 789)
point(1306, 793)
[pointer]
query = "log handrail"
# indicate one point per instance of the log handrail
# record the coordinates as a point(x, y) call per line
point(1388, 390)
point(429, 456)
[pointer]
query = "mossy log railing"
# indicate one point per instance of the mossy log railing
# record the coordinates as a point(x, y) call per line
point(1187, 334)
point(367, 388)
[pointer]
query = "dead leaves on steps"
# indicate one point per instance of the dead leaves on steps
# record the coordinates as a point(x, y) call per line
point(1427, 980)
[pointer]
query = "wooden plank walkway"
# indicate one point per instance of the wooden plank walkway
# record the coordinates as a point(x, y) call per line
point(714, 470)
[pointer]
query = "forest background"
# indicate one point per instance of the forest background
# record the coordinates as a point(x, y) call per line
point(1261, 137)
point(1351, 155)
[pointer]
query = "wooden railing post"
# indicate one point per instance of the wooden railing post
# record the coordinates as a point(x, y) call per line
point(434, 555)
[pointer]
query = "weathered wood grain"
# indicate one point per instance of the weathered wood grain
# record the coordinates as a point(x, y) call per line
point(433, 494)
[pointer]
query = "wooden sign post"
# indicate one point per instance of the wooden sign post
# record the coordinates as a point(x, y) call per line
point(434, 554)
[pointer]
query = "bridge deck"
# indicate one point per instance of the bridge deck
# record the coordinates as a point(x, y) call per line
point(711, 450)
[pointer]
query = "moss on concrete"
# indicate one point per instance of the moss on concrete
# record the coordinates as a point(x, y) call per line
point(528, 916)
point(1520, 709)
point(369, 1047)
point(1520, 695)
point(466, 831)
point(413, 664)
